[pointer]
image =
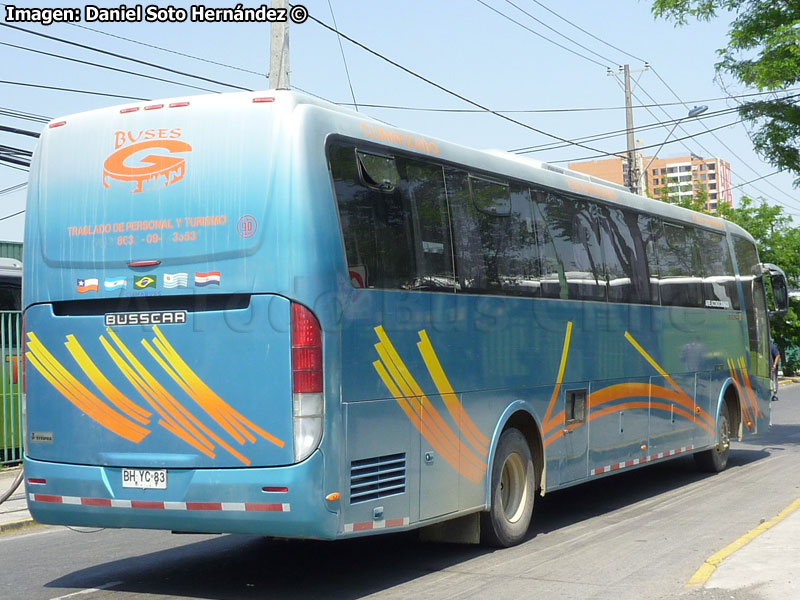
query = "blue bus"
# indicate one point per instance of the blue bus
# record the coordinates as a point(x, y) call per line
point(262, 313)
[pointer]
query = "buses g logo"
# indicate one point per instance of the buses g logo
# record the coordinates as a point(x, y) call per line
point(149, 167)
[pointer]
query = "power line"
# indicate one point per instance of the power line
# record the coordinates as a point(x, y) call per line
point(16, 114)
point(12, 215)
point(615, 133)
point(591, 35)
point(14, 161)
point(122, 57)
point(536, 33)
point(13, 188)
point(18, 152)
point(344, 60)
point(446, 90)
point(550, 110)
point(559, 33)
point(93, 64)
point(756, 179)
point(651, 145)
point(728, 148)
point(676, 96)
point(2, 164)
point(19, 131)
point(193, 57)
point(61, 89)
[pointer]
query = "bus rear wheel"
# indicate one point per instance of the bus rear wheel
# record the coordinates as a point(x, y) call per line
point(716, 459)
point(512, 494)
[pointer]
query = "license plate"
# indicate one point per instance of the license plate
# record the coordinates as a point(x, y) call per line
point(145, 479)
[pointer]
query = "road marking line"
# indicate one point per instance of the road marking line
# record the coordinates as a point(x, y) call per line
point(710, 565)
point(105, 586)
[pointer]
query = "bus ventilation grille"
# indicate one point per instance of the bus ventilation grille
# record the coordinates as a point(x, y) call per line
point(378, 477)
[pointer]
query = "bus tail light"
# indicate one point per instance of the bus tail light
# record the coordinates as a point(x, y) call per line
point(308, 400)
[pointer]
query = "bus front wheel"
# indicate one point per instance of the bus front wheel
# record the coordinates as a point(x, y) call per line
point(512, 494)
point(716, 459)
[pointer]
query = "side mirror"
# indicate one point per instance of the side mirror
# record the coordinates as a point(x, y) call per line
point(780, 289)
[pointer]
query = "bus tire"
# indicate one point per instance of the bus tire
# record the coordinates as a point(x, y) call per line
point(715, 459)
point(512, 494)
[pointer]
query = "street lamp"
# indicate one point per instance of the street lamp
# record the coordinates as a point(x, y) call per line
point(694, 112)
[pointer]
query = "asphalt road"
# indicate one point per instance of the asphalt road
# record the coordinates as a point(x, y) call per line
point(636, 535)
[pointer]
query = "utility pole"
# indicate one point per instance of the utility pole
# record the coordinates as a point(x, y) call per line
point(633, 176)
point(279, 51)
point(633, 171)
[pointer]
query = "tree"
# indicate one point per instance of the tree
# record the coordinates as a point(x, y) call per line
point(763, 51)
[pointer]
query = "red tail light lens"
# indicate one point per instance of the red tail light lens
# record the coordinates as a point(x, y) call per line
point(306, 351)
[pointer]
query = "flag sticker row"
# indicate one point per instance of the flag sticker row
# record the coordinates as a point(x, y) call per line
point(144, 282)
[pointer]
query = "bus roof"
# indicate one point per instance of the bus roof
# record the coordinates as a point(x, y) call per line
point(495, 161)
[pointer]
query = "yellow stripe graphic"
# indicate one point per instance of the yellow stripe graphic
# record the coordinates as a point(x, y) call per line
point(451, 401)
point(74, 391)
point(654, 364)
point(548, 421)
point(162, 397)
point(219, 410)
point(419, 409)
point(101, 382)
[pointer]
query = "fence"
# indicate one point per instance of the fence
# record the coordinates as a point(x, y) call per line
point(11, 433)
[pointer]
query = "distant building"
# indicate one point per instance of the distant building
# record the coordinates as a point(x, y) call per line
point(680, 176)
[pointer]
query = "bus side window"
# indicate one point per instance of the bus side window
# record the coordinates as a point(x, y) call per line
point(650, 228)
point(680, 275)
point(719, 281)
point(570, 226)
point(624, 256)
point(423, 184)
point(494, 236)
point(754, 304)
point(395, 231)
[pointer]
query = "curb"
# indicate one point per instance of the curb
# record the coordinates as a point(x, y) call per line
point(17, 525)
point(789, 380)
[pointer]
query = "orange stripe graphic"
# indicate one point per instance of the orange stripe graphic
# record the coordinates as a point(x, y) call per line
point(436, 431)
point(549, 422)
point(196, 421)
point(206, 398)
point(431, 424)
point(448, 447)
point(428, 409)
point(101, 382)
point(474, 436)
point(164, 398)
point(171, 419)
point(748, 387)
point(74, 391)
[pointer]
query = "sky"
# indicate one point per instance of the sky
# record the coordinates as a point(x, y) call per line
point(542, 58)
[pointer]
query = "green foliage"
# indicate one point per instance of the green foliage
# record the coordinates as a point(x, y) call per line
point(778, 242)
point(786, 334)
point(763, 51)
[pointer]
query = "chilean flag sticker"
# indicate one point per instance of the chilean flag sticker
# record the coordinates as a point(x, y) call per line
point(204, 279)
point(90, 285)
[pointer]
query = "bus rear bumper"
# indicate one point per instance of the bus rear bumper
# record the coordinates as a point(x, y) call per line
point(251, 501)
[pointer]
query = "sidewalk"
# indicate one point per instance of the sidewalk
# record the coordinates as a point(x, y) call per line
point(766, 568)
point(14, 511)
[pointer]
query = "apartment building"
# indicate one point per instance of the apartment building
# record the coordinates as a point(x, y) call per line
point(680, 176)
